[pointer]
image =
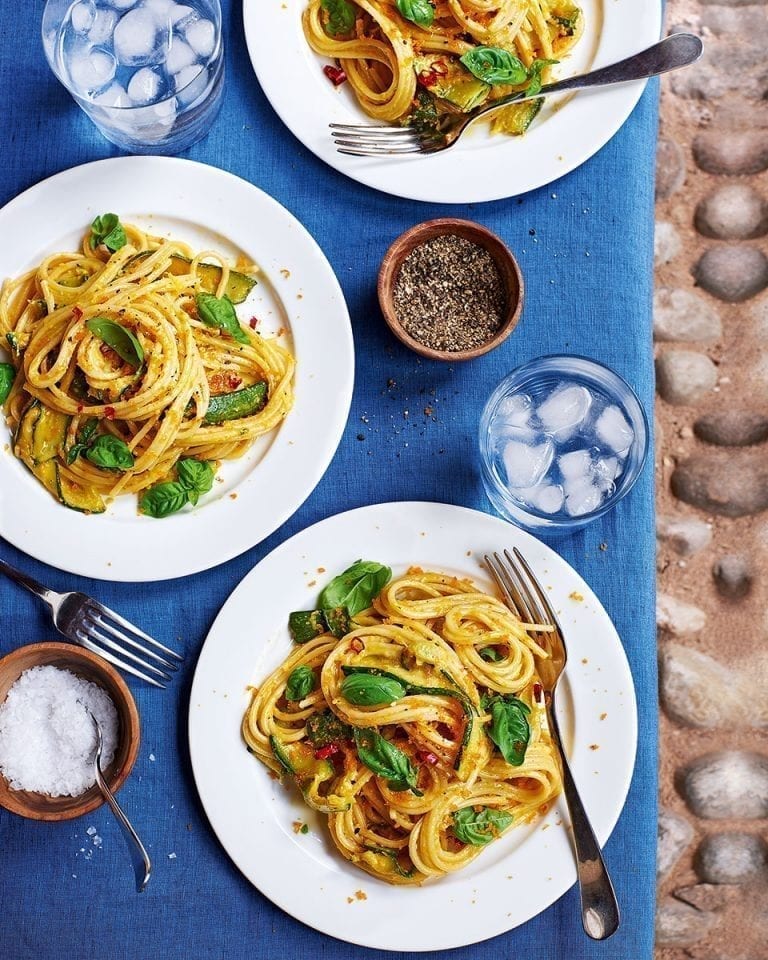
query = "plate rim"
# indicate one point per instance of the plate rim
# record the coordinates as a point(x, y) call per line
point(604, 831)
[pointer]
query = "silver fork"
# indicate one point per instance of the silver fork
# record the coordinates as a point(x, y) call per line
point(525, 597)
point(372, 140)
point(89, 623)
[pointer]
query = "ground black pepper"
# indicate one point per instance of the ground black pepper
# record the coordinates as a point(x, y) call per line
point(449, 294)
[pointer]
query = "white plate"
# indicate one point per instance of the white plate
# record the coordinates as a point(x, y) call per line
point(481, 166)
point(298, 293)
point(514, 879)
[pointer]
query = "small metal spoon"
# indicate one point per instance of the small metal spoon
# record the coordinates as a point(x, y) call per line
point(143, 865)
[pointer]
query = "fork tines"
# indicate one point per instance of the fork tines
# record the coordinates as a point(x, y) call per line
point(106, 633)
point(370, 140)
point(521, 589)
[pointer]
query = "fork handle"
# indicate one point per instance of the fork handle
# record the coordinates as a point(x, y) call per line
point(678, 50)
point(599, 907)
point(26, 581)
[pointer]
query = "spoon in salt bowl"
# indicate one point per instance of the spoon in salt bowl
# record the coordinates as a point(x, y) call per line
point(142, 864)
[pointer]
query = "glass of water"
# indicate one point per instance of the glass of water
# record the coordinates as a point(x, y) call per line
point(562, 440)
point(149, 73)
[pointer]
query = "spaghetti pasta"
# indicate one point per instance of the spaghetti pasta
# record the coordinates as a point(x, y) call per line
point(422, 732)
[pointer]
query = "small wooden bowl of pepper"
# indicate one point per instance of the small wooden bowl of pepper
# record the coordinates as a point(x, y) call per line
point(450, 289)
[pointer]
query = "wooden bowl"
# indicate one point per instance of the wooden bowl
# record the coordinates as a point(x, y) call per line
point(509, 272)
point(39, 806)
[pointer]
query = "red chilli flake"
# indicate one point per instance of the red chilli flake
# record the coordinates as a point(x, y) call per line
point(328, 751)
point(335, 74)
point(80, 408)
point(77, 313)
point(537, 692)
point(234, 382)
point(109, 413)
point(424, 756)
point(253, 323)
point(428, 78)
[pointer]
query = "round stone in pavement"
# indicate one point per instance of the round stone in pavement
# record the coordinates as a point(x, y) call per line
point(727, 785)
point(685, 535)
point(684, 376)
point(666, 242)
point(670, 168)
point(683, 315)
point(675, 834)
point(679, 924)
point(731, 272)
point(734, 211)
point(737, 153)
point(724, 483)
point(732, 428)
point(733, 576)
point(732, 858)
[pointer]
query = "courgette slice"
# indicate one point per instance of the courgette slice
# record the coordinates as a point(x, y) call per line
point(516, 118)
point(304, 625)
point(338, 621)
point(299, 760)
point(239, 285)
point(47, 474)
point(239, 403)
point(74, 495)
point(24, 431)
point(49, 434)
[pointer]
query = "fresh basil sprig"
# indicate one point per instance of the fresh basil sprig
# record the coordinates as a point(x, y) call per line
point(196, 476)
point(491, 654)
point(220, 312)
point(7, 376)
point(534, 75)
point(301, 683)
point(341, 16)
point(480, 827)
point(170, 496)
point(119, 338)
point(110, 453)
point(495, 65)
point(108, 230)
point(386, 760)
point(509, 728)
point(420, 12)
point(356, 588)
point(84, 439)
point(368, 690)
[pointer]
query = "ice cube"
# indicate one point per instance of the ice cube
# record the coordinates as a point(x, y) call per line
point(201, 36)
point(160, 10)
point(152, 123)
point(91, 70)
point(144, 86)
point(577, 463)
point(526, 464)
point(547, 497)
point(182, 16)
point(607, 470)
point(123, 4)
point(582, 496)
point(179, 55)
point(612, 428)
point(114, 96)
point(514, 410)
point(190, 84)
point(564, 410)
point(82, 16)
point(139, 39)
point(103, 25)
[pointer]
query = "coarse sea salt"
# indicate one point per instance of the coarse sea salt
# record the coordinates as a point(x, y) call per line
point(47, 739)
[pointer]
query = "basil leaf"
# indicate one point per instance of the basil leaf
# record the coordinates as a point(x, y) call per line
point(120, 339)
point(356, 588)
point(420, 12)
point(324, 728)
point(494, 65)
point(534, 75)
point(220, 312)
point(110, 452)
point(365, 690)
point(83, 441)
point(509, 728)
point(108, 230)
point(301, 683)
point(7, 376)
point(490, 654)
point(163, 499)
point(386, 760)
point(196, 476)
point(341, 16)
point(479, 828)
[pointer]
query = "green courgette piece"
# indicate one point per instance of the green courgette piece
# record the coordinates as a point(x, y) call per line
point(238, 285)
point(516, 118)
point(325, 727)
point(24, 431)
point(74, 495)
point(239, 403)
point(48, 474)
point(304, 625)
point(310, 773)
point(49, 434)
point(338, 621)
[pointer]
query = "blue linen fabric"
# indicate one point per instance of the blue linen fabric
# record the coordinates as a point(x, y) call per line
point(585, 246)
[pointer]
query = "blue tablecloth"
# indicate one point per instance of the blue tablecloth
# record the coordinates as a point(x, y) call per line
point(585, 245)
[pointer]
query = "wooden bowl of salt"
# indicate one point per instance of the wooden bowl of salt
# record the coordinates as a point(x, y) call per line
point(37, 805)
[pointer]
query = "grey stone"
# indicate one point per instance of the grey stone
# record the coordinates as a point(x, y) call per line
point(703, 80)
point(732, 3)
point(678, 617)
point(670, 168)
point(683, 315)
point(722, 483)
point(740, 153)
point(685, 535)
point(734, 211)
point(684, 376)
point(679, 924)
point(727, 785)
point(732, 428)
point(706, 896)
point(666, 242)
point(675, 835)
point(733, 273)
point(732, 858)
point(733, 576)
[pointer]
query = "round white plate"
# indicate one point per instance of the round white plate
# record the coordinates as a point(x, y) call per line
point(252, 814)
point(297, 293)
point(481, 166)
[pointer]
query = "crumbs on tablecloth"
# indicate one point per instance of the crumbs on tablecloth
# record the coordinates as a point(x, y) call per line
point(603, 547)
point(171, 856)
point(576, 596)
point(152, 757)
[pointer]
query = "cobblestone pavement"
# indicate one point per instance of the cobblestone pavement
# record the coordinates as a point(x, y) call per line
point(711, 330)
